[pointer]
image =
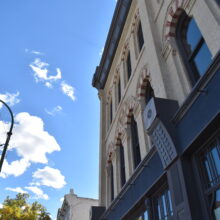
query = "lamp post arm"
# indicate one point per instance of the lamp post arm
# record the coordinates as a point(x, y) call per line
point(9, 133)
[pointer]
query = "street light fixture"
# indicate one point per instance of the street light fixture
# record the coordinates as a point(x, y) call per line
point(9, 133)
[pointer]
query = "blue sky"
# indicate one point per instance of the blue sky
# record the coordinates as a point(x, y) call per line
point(50, 49)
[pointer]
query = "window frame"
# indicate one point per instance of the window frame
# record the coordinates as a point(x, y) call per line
point(128, 66)
point(208, 191)
point(136, 151)
point(138, 36)
point(122, 165)
point(162, 191)
point(189, 61)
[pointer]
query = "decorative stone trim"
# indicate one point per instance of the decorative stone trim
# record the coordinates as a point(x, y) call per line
point(125, 49)
point(135, 22)
point(131, 106)
point(110, 151)
point(144, 80)
point(171, 19)
point(116, 75)
point(109, 95)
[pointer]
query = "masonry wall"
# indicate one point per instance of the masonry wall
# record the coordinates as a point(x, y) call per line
point(158, 63)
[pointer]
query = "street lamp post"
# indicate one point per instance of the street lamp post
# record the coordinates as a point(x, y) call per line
point(9, 133)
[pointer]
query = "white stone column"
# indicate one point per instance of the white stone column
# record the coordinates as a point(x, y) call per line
point(129, 165)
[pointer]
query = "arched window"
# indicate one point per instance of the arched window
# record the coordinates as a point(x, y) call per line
point(135, 142)
point(128, 66)
point(193, 47)
point(149, 93)
point(140, 36)
point(122, 165)
point(111, 181)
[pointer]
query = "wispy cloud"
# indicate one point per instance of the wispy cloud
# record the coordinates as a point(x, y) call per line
point(54, 111)
point(49, 177)
point(38, 192)
point(41, 72)
point(17, 190)
point(31, 143)
point(61, 199)
point(68, 90)
point(10, 98)
point(33, 52)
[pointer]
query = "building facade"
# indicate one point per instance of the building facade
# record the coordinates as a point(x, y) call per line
point(75, 208)
point(159, 88)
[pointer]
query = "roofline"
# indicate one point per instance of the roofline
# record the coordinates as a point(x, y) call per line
point(114, 34)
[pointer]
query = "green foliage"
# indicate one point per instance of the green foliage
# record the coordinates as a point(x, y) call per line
point(19, 209)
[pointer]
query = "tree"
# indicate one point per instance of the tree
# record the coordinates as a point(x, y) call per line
point(19, 209)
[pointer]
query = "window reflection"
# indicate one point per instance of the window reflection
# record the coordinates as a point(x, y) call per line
point(194, 49)
point(217, 205)
point(210, 159)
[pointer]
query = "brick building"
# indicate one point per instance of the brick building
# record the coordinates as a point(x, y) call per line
point(159, 86)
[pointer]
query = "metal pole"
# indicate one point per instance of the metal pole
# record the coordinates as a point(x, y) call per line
point(9, 133)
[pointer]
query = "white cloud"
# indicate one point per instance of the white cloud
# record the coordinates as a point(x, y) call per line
point(17, 190)
point(10, 98)
point(41, 72)
point(49, 177)
point(54, 110)
point(61, 199)
point(48, 85)
point(38, 192)
point(36, 52)
point(1, 206)
point(68, 90)
point(33, 52)
point(31, 143)
point(15, 168)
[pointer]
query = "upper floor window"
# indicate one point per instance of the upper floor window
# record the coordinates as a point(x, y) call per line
point(135, 143)
point(111, 181)
point(128, 65)
point(193, 47)
point(209, 160)
point(122, 164)
point(140, 36)
point(149, 93)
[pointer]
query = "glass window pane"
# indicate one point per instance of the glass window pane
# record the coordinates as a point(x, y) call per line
point(164, 206)
point(208, 171)
point(170, 203)
point(193, 34)
point(217, 205)
point(146, 215)
point(216, 160)
point(202, 59)
point(140, 37)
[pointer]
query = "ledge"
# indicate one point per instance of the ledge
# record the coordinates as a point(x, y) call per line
point(116, 28)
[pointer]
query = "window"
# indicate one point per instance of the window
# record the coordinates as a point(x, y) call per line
point(162, 204)
point(209, 159)
point(135, 143)
point(112, 181)
point(128, 65)
point(193, 47)
point(140, 36)
point(157, 207)
point(122, 165)
point(149, 93)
